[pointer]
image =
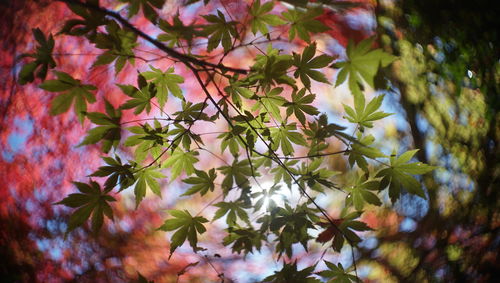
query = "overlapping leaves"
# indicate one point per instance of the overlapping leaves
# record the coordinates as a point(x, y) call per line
point(165, 82)
point(148, 8)
point(181, 161)
point(361, 65)
point(147, 139)
point(43, 59)
point(219, 31)
point(119, 43)
point(337, 273)
point(108, 131)
point(303, 23)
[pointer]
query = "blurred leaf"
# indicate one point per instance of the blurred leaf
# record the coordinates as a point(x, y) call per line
point(337, 273)
point(181, 161)
point(43, 59)
point(303, 23)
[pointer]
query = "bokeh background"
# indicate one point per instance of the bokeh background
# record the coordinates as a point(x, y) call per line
point(444, 91)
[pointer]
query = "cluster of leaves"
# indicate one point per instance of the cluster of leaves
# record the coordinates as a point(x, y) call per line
point(43, 59)
point(260, 108)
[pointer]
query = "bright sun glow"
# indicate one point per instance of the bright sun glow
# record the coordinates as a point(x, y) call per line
point(279, 195)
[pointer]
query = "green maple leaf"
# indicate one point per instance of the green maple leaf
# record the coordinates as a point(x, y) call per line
point(181, 161)
point(300, 105)
point(184, 135)
point(361, 65)
point(280, 173)
point(261, 18)
point(399, 175)
point(290, 225)
point(187, 226)
point(271, 69)
point(90, 200)
point(177, 31)
point(284, 136)
point(238, 172)
point(120, 44)
point(72, 92)
point(306, 64)
point(361, 149)
point(89, 22)
point(192, 112)
point(147, 8)
point(314, 176)
point(202, 183)
point(337, 273)
point(361, 193)
point(271, 102)
point(364, 116)
point(233, 210)
point(219, 30)
point(237, 91)
point(146, 178)
point(118, 173)
point(108, 131)
point(303, 23)
point(165, 82)
point(141, 98)
point(231, 141)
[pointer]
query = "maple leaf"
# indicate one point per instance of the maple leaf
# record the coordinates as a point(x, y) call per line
point(181, 161)
point(284, 137)
point(361, 65)
point(72, 91)
point(202, 183)
point(219, 30)
point(187, 226)
point(261, 18)
point(43, 58)
point(165, 82)
point(303, 23)
point(399, 175)
point(306, 64)
point(90, 200)
point(300, 105)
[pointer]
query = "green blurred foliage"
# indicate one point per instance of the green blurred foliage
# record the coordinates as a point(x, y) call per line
point(447, 80)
